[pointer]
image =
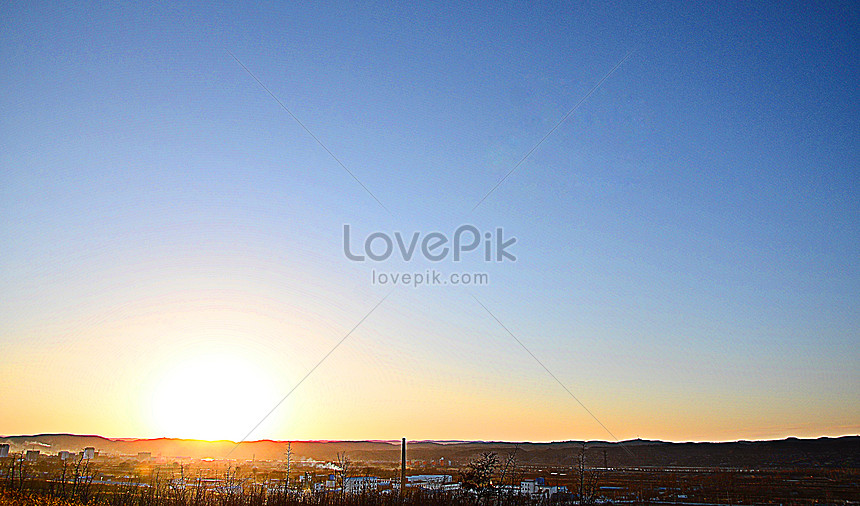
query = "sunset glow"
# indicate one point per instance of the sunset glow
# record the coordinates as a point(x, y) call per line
point(210, 397)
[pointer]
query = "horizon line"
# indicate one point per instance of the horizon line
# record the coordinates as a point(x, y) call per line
point(447, 441)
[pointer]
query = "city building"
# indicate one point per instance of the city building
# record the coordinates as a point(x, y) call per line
point(429, 481)
point(360, 484)
point(539, 488)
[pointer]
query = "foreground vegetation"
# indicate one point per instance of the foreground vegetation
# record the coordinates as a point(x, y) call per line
point(484, 481)
point(157, 496)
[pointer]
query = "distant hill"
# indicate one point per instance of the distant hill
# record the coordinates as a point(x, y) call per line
point(786, 453)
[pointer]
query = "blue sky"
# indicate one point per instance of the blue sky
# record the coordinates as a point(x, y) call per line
point(687, 240)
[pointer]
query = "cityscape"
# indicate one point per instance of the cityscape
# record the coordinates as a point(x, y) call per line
point(305, 472)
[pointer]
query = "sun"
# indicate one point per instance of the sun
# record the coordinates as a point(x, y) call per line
point(212, 396)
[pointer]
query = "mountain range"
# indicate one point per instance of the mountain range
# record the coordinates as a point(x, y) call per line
point(841, 452)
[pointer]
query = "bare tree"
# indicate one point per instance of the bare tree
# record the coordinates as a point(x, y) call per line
point(289, 455)
point(343, 470)
point(508, 475)
point(478, 475)
point(587, 486)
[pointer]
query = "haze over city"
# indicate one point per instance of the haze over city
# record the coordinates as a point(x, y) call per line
point(680, 182)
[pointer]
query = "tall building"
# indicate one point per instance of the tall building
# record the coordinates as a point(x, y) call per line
point(32, 455)
point(4, 450)
point(89, 453)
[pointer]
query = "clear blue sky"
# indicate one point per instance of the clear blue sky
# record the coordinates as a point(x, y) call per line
point(688, 239)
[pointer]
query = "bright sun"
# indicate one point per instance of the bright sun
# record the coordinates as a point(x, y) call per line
point(211, 396)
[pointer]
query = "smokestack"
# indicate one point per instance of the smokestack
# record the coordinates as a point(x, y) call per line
point(403, 468)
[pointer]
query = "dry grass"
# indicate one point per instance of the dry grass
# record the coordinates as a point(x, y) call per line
point(137, 496)
point(15, 498)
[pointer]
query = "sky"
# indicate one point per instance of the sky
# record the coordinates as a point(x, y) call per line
point(175, 179)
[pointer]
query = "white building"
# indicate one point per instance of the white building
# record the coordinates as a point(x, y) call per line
point(429, 481)
point(4, 450)
point(64, 455)
point(360, 484)
point(430, 478)
point(89, 453)
point(539, 488)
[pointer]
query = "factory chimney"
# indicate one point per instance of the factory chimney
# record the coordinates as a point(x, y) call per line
point(403, 468)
